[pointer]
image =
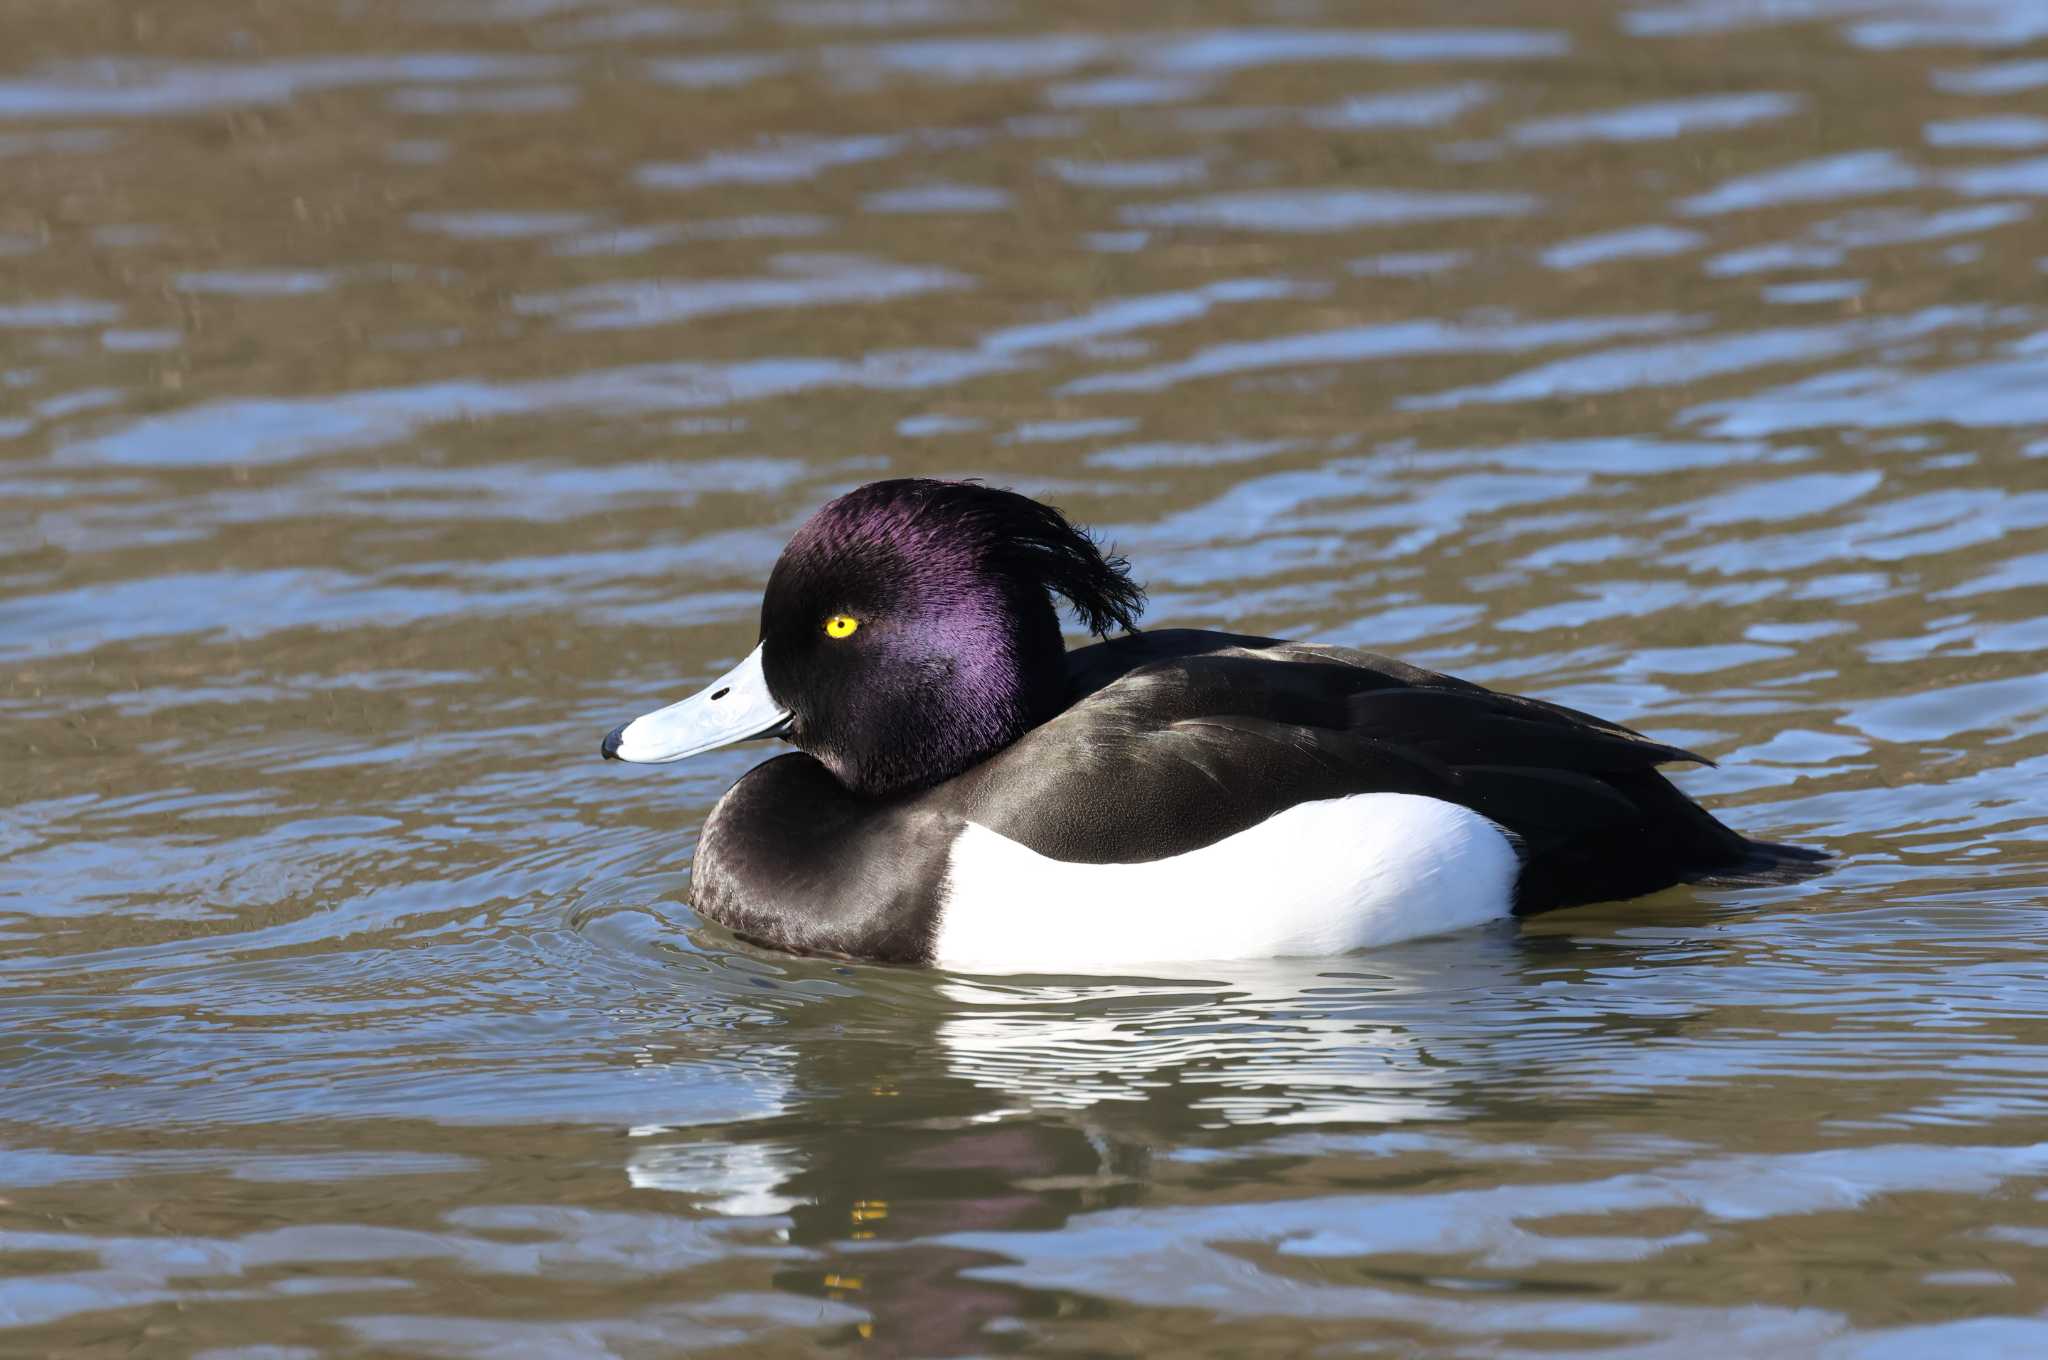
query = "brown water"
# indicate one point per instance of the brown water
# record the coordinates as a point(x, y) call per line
point(394, 397)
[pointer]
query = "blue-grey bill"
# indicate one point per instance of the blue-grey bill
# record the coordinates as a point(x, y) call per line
point(734, 707)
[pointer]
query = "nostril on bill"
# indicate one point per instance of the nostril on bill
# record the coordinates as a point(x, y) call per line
point(720, 693)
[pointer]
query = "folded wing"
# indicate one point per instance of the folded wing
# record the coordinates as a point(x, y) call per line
point(1177, 739)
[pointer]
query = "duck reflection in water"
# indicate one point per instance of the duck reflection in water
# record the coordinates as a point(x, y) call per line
point(932, 1108)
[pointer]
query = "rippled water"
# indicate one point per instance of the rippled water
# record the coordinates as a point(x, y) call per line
point(394, 397)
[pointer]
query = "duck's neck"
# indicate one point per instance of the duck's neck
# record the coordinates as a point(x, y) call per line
point(792, 859)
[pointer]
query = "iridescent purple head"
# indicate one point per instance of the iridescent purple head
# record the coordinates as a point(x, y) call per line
point(909, 630)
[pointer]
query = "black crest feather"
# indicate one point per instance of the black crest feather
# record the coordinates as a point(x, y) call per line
point(1028, 539)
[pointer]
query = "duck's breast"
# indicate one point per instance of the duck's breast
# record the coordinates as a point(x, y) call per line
point(1317, 878)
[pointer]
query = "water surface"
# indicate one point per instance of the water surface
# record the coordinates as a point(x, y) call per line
point(395, 397)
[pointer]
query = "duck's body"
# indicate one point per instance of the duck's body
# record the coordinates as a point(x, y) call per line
point(1172, 795)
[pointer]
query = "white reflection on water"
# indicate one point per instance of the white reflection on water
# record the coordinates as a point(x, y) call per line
point(57, 313)
point(1659, 121)
point(2007, 177)
point(1235, 49)
point(255, 282)
point(1393, 340)
point(1147, 174)
point(1877, 24)
point(1426, 106)
point(269, 430)
point(1677, 362)
point(1319, 210)
point(1849, 174)
point(2015, 131)
point(1995, 78)
point(2001, 392)
point(1275, 1043)
point(783, 161)
point(720, 71)
point(499, 226)
point(132, 88)
point(741, 1180)
point(725, 1320)
point(798, 281)
point(938, 198)
point(975, 59)
point(1630, 243)
point(1124, 91)
point(146, 1269)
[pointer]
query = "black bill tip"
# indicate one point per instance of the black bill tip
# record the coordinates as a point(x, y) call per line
point(609, 747)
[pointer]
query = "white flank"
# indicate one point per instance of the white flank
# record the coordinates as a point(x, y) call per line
point(1319, 878)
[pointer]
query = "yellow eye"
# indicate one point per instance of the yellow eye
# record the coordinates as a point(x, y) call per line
point(841, 625)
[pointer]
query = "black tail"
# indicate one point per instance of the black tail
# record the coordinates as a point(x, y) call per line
point(1768, 862)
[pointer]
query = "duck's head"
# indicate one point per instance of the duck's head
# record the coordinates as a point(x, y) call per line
point(907, 634)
